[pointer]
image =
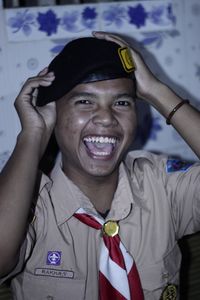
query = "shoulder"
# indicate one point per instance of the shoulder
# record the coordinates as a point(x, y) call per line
point(41, 195)
point(160, 162)
point(142, 159)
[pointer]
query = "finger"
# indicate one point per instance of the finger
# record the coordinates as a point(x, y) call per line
point(34, 82)
point(43, 72)
point(110, 37)
point(31, 85)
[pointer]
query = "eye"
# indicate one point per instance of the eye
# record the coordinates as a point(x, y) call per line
point(83, 102)
point(122, 103)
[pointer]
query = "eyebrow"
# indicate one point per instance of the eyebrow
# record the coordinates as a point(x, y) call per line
point(86, 94)
point(126, 95)
point(81, 94)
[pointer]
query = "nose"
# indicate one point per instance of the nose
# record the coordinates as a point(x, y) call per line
point(104, 117)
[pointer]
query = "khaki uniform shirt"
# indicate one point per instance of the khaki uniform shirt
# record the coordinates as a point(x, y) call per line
point(155, 207)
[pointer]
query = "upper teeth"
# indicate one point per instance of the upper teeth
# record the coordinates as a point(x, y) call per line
point(100, 139)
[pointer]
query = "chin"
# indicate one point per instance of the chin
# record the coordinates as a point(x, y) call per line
point(101, 171)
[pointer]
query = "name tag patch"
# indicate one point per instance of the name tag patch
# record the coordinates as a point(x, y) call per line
point(54, 258)
point(54, 273)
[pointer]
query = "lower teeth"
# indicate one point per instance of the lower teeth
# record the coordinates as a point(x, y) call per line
point(101, 153)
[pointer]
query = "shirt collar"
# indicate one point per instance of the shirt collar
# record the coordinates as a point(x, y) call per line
point(67, 198)
point(123, 197)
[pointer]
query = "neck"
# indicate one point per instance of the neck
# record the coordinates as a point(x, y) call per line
point(100, 190)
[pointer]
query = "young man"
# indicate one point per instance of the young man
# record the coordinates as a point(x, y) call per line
point(106, 222)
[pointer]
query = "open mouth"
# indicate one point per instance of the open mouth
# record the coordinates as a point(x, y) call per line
point(100, 146)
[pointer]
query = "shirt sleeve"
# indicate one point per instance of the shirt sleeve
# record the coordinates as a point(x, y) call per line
point(35, 224)
point(183, 191)
point(25, 251)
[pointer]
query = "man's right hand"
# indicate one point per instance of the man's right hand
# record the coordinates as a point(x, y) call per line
point(36, 121)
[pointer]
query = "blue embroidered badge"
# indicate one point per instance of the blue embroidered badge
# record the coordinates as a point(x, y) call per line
point(174, 165)
point(54, 258)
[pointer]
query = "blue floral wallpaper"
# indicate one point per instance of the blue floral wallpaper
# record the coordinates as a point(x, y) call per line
point(49, 22)
point(23, 24)
point(166, 32)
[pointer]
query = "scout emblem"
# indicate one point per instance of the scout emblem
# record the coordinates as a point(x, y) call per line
point(111, 228)
point(126, 59)
point(54, 258)
point(169, 293)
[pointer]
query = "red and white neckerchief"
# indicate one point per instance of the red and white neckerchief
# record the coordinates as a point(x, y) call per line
point(118, 275)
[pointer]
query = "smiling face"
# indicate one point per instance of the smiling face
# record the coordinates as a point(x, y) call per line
point(95, 125)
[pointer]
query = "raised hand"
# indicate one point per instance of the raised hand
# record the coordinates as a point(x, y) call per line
point(36, 120)
point(146, 81)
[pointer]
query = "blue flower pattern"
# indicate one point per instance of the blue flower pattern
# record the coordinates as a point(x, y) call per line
point(115, 15)
point(89, 16)
point(137, 15)
point(57, 49)
point(48, 22)
point(170, 14)
point(152, 39)
point(22, 21)
point(59, 45)
point(156, 39)
point(156, 15)
point(69, 21)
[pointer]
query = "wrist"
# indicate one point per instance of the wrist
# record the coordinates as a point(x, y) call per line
point(151, 90)
point(162, 98)
point(30, 139)
point(155, 91)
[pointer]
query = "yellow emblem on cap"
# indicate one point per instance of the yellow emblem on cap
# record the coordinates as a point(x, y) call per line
point(126, 59)
point(111, 228)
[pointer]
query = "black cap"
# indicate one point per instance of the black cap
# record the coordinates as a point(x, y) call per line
point(85, 60)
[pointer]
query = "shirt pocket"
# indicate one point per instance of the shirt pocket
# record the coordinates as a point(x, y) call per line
point(51, 288)
point(156, 276)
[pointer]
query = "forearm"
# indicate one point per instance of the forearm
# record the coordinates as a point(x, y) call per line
point(186, 119)
point(17, 182)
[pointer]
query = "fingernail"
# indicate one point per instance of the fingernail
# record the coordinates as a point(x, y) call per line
point(51, 73)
